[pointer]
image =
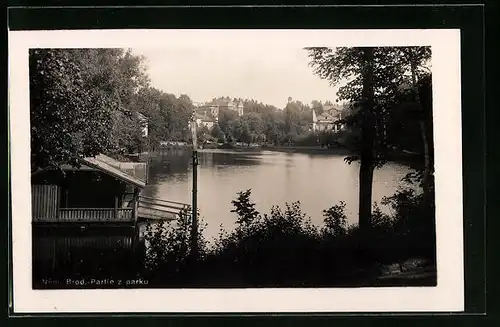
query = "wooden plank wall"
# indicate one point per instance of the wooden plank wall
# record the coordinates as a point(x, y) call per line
point(44, 202)
point(56, 257)
point(46, 245)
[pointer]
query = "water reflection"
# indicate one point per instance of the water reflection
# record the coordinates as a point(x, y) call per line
point(318, 181)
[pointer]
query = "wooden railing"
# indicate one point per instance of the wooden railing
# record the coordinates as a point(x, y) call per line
point(151, 208)
point(95, 214)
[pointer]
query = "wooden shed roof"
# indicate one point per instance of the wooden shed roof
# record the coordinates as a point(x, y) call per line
point(129, 172)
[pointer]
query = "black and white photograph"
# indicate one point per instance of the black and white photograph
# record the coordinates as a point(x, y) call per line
point(237, 160)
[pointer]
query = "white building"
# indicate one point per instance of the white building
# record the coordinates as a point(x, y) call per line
point(329, 120)
point(202, 120)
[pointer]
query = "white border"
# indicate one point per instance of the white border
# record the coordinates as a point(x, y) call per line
point(447, 296)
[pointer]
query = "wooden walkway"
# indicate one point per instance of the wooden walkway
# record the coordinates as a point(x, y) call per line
point(157, 209)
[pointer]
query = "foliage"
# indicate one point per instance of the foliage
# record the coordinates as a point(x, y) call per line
point(127, 134)
point(391, 80)
point(226, 121)
point(115, 72)
point(81, 104)
point(295, 252)
point(263, 123)
point(169, 115)
point(68, 120)
point(375, 88)
point(118, 75)
point(218, 134)
point(413, 221)
point(335, 220)
point(168, 248)
point(84, 102)
point(244, 208)
point(284, 249)
point(317, 106)
point(261, 245)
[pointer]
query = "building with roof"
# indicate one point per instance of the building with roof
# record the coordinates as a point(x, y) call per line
point(211, 109)
point(329, 120)
point(90, 221)
point(101, 190)
point(204, 121)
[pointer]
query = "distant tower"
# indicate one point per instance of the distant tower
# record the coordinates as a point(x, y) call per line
point(289, 99)
point(315, 121)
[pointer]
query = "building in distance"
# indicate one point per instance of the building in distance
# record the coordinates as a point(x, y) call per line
point(204, 120)
point(211, 109)
point(329, 120)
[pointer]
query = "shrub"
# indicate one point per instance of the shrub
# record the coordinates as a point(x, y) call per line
point(284, 249)
point(167, 248)
point(414, 223)
point(244, 208)
point(335, 220)
point(263, 249)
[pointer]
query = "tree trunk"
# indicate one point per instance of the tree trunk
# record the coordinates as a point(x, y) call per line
point(365, 194)
point(423, 130)
point(368, 134)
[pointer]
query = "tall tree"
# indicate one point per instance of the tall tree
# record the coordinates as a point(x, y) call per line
point(370, 81)
point(83, 103)
point(292, 115)
point(217, 133)
point(69, 119)
point(148, 103)
point(375, 80)
point(227, 118)
point(368, 135)
point(415, 58)
point(317, 106)
point(241, 131)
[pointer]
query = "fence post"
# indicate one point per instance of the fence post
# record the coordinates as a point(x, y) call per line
point(116, 207)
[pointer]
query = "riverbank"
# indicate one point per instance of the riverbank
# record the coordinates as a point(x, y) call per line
point(410, 159)
point(406, 158)
point(402, 157)
point(307, 149)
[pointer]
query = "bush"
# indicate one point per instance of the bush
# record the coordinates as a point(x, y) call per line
point(335, 220)
point(167, 249)
point(413, 223)
point(284, 249)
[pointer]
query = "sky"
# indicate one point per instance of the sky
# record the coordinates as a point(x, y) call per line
point(266, 74)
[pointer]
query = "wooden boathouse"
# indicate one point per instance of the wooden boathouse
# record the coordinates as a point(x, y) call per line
point(87, 220)
point(102, 190)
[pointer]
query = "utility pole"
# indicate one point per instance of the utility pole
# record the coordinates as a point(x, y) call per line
point(194, 214)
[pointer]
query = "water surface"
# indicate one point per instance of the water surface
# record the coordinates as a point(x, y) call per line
point(318, 181)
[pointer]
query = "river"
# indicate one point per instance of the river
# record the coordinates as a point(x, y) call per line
point(318, 181)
